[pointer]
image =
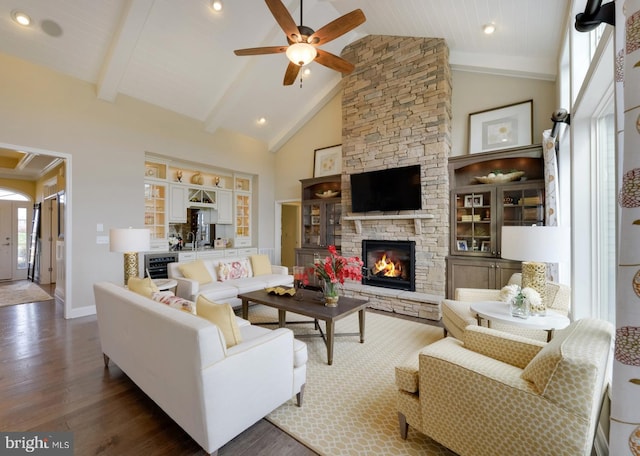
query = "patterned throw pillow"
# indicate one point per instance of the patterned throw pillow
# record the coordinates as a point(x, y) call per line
point(238, 269)
point(174, 301)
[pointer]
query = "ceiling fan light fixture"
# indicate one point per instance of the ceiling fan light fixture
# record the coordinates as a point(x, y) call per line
point(21, 18)
point(216, 5)
point(301, 53)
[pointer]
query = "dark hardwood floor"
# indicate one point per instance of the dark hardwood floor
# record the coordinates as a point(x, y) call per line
point(52, 378)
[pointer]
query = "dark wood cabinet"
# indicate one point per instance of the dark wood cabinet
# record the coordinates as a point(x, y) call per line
point(480, 207)
point(321, 218)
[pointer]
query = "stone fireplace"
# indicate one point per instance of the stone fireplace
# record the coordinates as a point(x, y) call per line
point(396, 110)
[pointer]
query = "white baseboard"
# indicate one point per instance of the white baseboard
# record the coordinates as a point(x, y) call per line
point(600, 444)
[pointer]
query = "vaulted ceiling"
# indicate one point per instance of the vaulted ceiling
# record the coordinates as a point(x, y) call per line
point(179, 54)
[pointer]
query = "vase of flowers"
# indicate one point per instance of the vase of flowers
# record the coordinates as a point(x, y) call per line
point(522, 301)
point(332, 271)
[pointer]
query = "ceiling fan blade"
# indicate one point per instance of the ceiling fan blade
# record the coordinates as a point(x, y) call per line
point(284, 19)
point(337, 28)
point(334, 62)
point(291, 74)
point(261, 50)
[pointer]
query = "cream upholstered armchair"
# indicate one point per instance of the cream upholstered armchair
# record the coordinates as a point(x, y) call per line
point(496, 394)
point(457, 314)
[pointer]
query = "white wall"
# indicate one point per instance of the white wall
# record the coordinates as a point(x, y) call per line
point(473, 92)
point(294, 160)
point(107, 141)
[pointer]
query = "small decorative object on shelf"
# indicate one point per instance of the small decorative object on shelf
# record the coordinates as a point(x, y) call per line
point(179, 175)
point(522, 301)
point(332, 272)
point(499, 176)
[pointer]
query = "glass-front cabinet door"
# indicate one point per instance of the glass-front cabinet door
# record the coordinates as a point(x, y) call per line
point(522, 206)
point(473, 221)
point(155, 210)
point(311, 218)
point(333, 224)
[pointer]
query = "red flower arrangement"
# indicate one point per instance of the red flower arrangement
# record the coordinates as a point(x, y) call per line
point(335, 268)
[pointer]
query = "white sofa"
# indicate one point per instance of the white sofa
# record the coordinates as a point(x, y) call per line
point(227, 291)
point(181, 362)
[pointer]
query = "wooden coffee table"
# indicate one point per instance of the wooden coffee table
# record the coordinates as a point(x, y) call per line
point(309, 304)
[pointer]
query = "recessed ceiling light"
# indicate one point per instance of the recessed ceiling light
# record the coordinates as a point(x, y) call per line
point(488, 28)
point(262, 121)
point(216, 5)
point(21, 18)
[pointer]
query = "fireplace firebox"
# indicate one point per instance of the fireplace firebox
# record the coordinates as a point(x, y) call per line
point(389, 264)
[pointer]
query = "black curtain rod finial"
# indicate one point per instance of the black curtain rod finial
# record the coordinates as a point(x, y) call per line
point(595, 14)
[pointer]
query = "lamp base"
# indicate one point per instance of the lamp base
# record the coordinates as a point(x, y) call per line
point(534, 275)
point(130, 266)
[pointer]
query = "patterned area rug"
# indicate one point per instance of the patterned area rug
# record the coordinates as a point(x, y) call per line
point(349, 407)
point(21, 292)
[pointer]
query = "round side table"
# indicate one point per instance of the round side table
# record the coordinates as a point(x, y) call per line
point(499, 311)
point(166, 284)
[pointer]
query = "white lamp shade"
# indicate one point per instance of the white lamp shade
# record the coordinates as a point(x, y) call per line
point(543, 244)
point(126, 240)
point(301, 53)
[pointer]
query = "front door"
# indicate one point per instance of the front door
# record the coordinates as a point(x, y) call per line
point(6, 216)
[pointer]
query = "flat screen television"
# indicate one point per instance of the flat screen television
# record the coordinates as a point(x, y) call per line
point(393, 189)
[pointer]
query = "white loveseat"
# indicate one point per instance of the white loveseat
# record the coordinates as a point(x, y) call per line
point(182, 363)
point(220, 290)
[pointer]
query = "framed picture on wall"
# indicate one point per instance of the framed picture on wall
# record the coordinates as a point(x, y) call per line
point(501, 128)
point(327, 161)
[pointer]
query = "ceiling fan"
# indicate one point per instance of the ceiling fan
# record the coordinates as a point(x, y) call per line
point(304, 41)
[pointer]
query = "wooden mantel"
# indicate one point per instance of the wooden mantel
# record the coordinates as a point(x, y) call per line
point(357, 219)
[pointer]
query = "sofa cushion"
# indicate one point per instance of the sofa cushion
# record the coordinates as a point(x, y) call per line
point(237, 269)
point(223, 317)
point(174, 301)
point(146, 287)
point(196, 270)
point(260, 264)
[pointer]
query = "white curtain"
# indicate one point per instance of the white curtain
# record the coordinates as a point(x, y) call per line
point(624, 436)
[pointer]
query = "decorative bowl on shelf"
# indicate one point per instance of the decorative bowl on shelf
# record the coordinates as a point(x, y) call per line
point(493, 178)
point(327, 194)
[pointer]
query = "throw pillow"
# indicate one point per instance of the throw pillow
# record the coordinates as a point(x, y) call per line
point(145, 286)
point(174, 301)
point(541, 368)
point(238, 269)
point(261, 264)
point(222, 316)
point(196, 270)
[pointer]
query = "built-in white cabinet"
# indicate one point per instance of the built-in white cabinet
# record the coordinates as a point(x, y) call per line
point(186, 256)
point(225, 207)
point(177, 203)
point(209, 254)
point(202, 197)
point(243, 219)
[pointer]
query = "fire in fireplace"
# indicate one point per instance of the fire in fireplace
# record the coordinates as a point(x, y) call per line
point(389, 264)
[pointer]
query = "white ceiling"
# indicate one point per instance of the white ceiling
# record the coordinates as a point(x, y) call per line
point(178, 54)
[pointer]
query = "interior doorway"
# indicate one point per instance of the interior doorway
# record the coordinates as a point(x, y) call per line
point(287, 232)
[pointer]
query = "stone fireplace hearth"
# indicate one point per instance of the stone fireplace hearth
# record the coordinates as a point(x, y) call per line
point(396, 109)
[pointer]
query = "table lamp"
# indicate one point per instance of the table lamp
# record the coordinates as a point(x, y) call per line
point(535, 246)
point(129, 241)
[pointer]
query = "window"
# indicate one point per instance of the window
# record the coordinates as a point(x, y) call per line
point(605, 183)
point(23, 238)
